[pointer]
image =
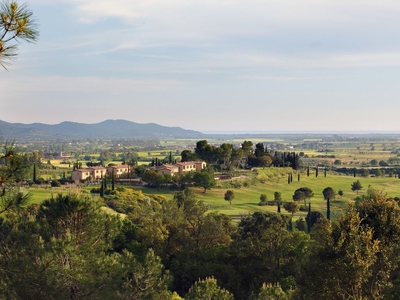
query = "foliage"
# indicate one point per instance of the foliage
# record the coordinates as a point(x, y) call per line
point(356, 186)
point(204, 179)
point(229, 195)
point(313, 217)
point(270, 291)
point(207, 289)
point(16, 23)
point(61, 250)
point(329, 193)
point(263, 200)
point(291, 207)
point(263, 248)
point(303, 193)
point(346, 252)
point(11, 169)
point(277, 196)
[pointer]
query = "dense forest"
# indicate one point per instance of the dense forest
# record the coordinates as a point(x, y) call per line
point(69, 247)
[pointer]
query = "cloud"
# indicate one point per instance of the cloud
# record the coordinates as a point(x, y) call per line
point(61, 84)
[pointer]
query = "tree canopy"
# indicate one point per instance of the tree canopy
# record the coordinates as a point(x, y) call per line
point(329, 193)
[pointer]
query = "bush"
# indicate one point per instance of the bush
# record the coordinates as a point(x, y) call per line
point(55, 183)
point(304, 208)
point(112, 204)
point(95, 191)
point(236, 184)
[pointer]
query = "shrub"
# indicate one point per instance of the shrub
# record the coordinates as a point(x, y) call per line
point(236, 184)
point(304, 208)
point(55, 183)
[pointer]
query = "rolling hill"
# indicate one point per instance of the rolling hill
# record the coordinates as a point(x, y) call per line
point(105, 129)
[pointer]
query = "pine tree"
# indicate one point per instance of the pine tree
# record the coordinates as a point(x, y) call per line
point(309, 218)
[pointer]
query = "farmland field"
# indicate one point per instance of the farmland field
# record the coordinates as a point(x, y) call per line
point(267, 181)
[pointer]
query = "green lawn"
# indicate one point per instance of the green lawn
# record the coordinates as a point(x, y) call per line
point(247, 198)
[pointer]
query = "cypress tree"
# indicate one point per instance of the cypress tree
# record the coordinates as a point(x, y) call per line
point(279, 207)
point(325, 172)
point(328, 209)
point(290, 225)
point(291, 177)
point(316, 172)
point(308, 171)
point(170, 157)
point(298, 177)
point(113, 180)
point(288, 179)
point(102, 189)
point(309, 218)
point(34, 173)
point(354, 172)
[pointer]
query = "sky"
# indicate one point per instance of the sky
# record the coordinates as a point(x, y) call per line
point(210, 66)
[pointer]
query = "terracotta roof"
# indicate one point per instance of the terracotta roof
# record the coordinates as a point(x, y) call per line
point(97, 168)
point(82, 170)
point(120, 167)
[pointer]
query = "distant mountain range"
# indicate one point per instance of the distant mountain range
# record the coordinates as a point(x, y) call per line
point(105, 129)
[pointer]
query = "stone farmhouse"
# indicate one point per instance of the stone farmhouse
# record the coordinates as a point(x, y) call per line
point(181, 167)
point(96, 173)
point(117, 170)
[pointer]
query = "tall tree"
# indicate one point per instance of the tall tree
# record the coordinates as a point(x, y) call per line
point(34, 173)
point(229, 195)
point(346, 253)
point(292, 207)
point(303, 193)
point(328, 209)
point(308, 218)
point(113, 180)
point(329, 193)
point(204, 179)
point(61, 250)
point(208, 289)
point(11, 170)
point(356, 186)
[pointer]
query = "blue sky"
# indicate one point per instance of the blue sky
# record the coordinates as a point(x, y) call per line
point(281, 65)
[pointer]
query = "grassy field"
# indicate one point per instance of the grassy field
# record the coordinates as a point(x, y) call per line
point(266, 182)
